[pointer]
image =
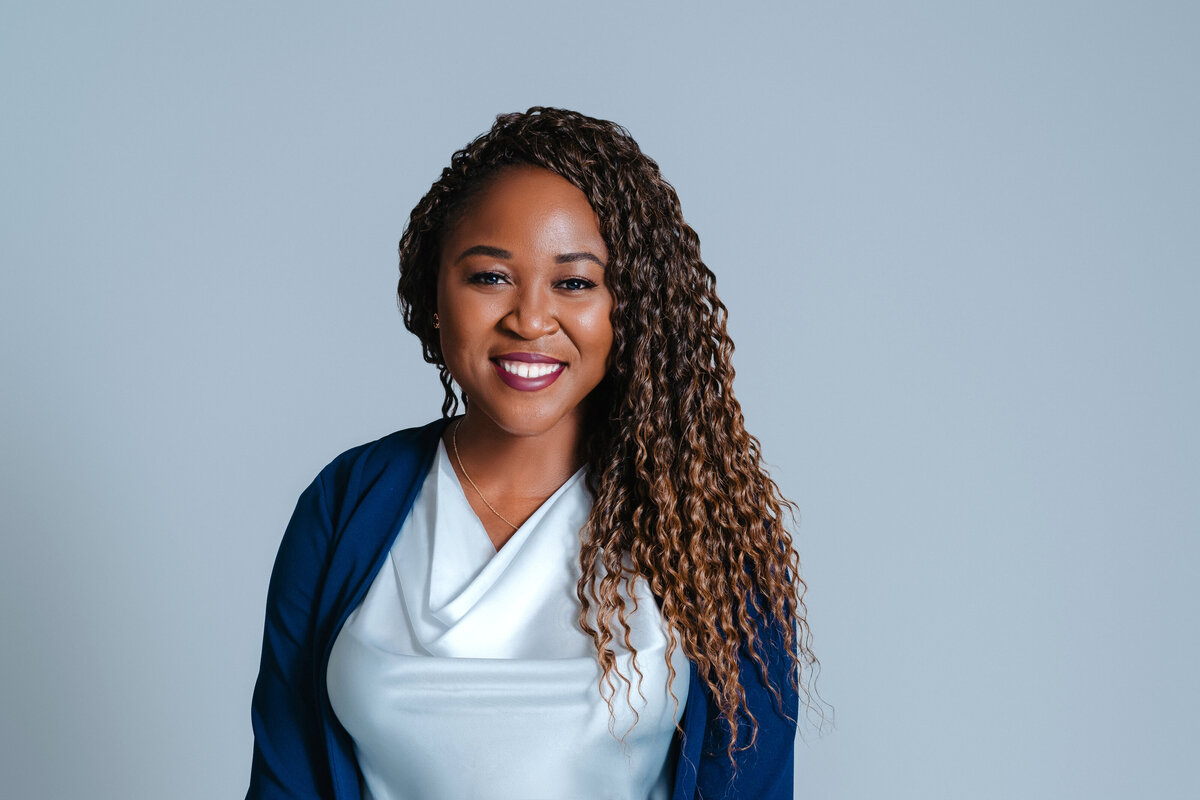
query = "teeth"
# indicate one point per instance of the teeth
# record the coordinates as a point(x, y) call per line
point(523, 369)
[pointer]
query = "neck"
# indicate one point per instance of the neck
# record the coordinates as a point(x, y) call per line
point(506, 464)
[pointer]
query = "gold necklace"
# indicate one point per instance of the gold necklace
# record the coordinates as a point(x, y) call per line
point(458, 458)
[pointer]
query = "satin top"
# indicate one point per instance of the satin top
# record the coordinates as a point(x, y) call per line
point(463, 672)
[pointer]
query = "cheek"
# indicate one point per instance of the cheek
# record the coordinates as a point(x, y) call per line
point(466, 320)
point(460, 345)
point(600, 330)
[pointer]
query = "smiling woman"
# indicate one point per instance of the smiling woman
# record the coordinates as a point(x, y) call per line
point(583, 586)
point(524, 329)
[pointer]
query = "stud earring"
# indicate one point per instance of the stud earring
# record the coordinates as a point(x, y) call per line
point(437, 323)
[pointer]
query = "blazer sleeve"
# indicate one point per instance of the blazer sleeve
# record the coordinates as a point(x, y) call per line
point(766, 770)
point(290, 756)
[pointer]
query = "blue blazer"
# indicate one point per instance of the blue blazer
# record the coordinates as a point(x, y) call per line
point(339, 536)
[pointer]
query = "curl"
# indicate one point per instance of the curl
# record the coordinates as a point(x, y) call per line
point(682, 497)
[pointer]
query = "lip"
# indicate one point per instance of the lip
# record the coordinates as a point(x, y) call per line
point(528, 358)
point(527, 384)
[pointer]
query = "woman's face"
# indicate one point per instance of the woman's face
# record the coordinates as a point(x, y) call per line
point(522, 302)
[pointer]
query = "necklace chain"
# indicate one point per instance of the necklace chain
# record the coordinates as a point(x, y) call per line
point(458, 458)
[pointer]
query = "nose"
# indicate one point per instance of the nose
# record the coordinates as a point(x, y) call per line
point(532, 315)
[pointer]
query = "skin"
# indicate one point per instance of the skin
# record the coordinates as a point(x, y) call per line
point(522, 271)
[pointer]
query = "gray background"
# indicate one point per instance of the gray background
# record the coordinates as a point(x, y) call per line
point(959, 246)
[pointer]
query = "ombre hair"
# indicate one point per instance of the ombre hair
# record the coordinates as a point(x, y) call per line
point(682, 498)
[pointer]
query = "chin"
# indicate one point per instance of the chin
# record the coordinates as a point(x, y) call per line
point(531, 421)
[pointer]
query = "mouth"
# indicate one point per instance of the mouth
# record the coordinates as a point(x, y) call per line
point(528, 372)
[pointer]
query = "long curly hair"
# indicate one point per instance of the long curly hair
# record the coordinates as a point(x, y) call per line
point(682, 499)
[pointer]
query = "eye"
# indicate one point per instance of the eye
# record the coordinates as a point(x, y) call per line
point(576, 284)
point(487, 278)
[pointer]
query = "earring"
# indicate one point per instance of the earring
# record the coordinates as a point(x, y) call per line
point(437, 323)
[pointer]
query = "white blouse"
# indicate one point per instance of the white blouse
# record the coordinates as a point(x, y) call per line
point(464, 673)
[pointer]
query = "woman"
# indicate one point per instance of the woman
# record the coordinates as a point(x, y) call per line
point(580, 588)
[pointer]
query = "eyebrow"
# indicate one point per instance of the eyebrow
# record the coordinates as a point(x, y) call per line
point(570, 258)
point(483, 250)
point(497, 252)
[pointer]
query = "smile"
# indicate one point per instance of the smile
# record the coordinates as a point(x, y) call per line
point(527, 372)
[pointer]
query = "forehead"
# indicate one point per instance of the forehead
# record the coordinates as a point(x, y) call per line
point(530, 205)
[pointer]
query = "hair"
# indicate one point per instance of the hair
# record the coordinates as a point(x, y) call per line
point(682, 498)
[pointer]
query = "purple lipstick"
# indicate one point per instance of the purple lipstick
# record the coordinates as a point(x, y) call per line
point(528, 372)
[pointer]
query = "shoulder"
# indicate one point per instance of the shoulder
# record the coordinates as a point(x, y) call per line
point(374, 478)
point(405, 452)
